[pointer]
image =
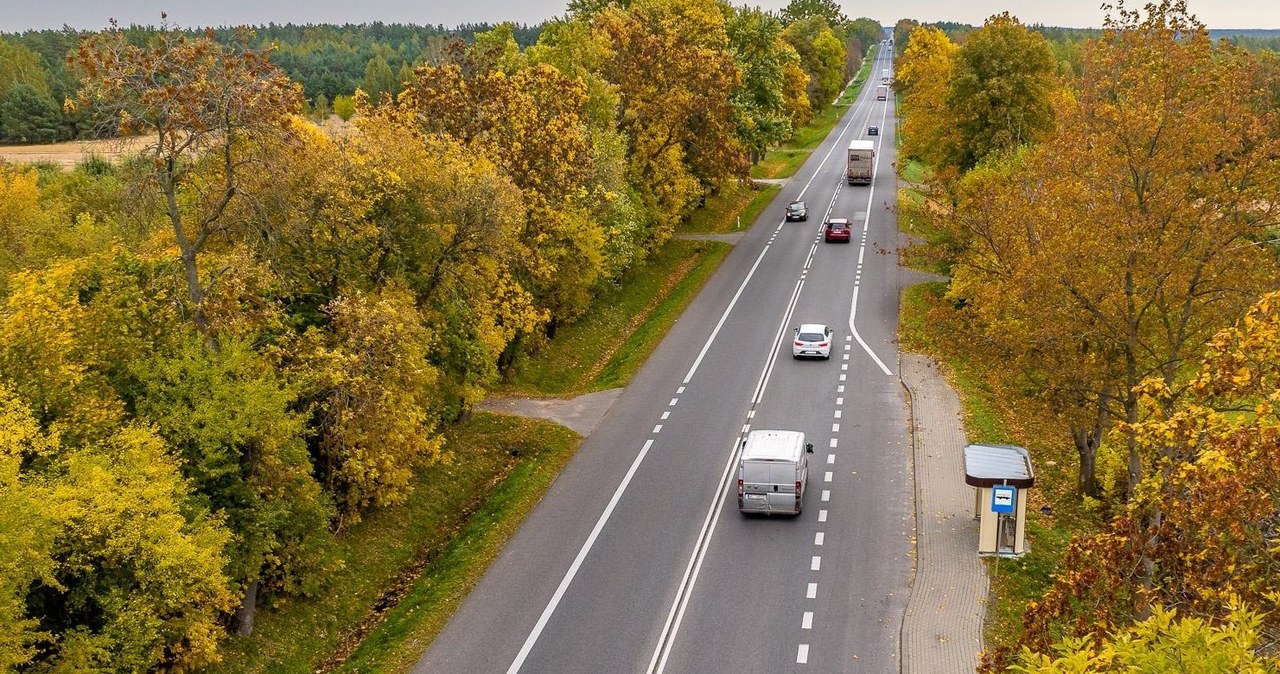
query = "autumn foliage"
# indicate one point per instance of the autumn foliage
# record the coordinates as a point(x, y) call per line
point(216, 355)
point(1091, 263)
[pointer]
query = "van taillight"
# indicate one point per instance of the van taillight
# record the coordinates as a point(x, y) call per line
point(797, 489)
point(739, 486)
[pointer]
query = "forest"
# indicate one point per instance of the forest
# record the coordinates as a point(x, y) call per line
point(1107, 218)
point(220, 353)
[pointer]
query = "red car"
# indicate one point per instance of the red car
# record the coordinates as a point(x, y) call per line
point(836, 229)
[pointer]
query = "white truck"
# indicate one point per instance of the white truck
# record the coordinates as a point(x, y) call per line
point(882, 92)
point(884, 76)
point(861, 166)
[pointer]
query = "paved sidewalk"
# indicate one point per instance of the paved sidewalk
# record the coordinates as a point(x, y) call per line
point(942, 630)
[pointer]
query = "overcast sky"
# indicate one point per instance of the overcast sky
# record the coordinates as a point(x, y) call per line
point(19, 15)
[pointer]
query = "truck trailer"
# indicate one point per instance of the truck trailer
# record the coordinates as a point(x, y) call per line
point(861, 166)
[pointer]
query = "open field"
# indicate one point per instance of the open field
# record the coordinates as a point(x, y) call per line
point(71, 153)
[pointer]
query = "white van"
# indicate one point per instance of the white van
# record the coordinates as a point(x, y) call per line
point(773, 472)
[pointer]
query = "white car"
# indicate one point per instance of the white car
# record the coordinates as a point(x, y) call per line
point(812, 339)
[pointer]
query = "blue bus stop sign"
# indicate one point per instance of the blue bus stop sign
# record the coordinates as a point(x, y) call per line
point(1003, 499)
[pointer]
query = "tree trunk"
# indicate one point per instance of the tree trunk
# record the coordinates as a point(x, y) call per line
point(1087, 449)
point(243, 619)
point(1087, 441)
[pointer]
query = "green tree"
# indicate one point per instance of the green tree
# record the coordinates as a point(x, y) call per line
point(755, 39)
point(321, 108)
point(228, 415)
point(344, 106)
point(379, 80)
point(827, 10)
point(139, 574)
point(670, 62)
point(21, 66)
point(822, 56)
point(1002, 89)
point(27, 116)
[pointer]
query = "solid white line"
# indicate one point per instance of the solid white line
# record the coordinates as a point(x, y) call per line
point(577, 562)
point(802, 655)
point(853, 310)
point(723, 317)
point(667, 638)
point(866, 224)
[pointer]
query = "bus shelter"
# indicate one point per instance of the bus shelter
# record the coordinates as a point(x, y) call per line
point(1001, 474)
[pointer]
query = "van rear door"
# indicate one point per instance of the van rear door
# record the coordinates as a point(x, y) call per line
point(769, 486)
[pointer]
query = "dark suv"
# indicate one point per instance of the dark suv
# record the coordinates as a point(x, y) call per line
point(797, 211)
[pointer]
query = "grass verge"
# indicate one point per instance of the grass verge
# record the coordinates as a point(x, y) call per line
point(439, 542)
point(605, 348)
point(406, 630)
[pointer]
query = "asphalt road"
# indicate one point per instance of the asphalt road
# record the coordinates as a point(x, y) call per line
point(637, 559)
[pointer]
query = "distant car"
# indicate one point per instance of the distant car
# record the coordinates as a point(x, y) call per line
point(836, 229)
point(812, 339)
point(873, 131)
point(796, 211)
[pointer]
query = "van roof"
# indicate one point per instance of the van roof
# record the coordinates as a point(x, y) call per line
point(776, 445)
